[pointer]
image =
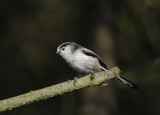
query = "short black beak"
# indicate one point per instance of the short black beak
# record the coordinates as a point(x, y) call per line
point(57, 53)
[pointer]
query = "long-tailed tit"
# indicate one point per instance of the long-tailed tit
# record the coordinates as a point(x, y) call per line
point(84, 61)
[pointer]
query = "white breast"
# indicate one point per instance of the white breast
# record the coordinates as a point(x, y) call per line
point(84, 64)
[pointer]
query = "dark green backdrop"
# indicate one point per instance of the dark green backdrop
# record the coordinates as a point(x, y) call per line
point(124, 33)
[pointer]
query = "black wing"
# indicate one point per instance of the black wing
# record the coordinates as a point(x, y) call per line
point(90, 53)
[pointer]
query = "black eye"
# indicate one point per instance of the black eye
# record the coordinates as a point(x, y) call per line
point(63, 48)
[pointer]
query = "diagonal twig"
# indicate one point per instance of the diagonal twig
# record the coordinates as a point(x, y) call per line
point(58, 89)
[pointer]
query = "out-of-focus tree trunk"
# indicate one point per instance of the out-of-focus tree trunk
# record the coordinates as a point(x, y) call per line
point(101, 100)
point(104, 43)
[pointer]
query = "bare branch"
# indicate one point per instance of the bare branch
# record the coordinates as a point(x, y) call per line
point(58, 89)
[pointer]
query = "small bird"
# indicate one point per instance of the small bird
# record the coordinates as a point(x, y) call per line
point(84, 61)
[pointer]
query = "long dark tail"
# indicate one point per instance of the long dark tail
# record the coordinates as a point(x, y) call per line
point(130, 84)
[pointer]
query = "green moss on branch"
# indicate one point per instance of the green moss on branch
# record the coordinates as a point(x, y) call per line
point(58, 89)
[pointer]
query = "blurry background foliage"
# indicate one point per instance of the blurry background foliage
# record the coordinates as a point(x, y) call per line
point(125, 33)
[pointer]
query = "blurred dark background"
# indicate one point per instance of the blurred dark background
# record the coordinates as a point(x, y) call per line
point(124, 33)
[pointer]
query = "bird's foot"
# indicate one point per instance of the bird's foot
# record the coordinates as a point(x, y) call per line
point(75, 79)
point(92, 76)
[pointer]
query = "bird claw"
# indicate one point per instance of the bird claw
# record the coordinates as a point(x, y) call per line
point(75, 81)
point(92, 76)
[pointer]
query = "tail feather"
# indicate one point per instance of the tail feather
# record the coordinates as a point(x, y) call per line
point(124, 81)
